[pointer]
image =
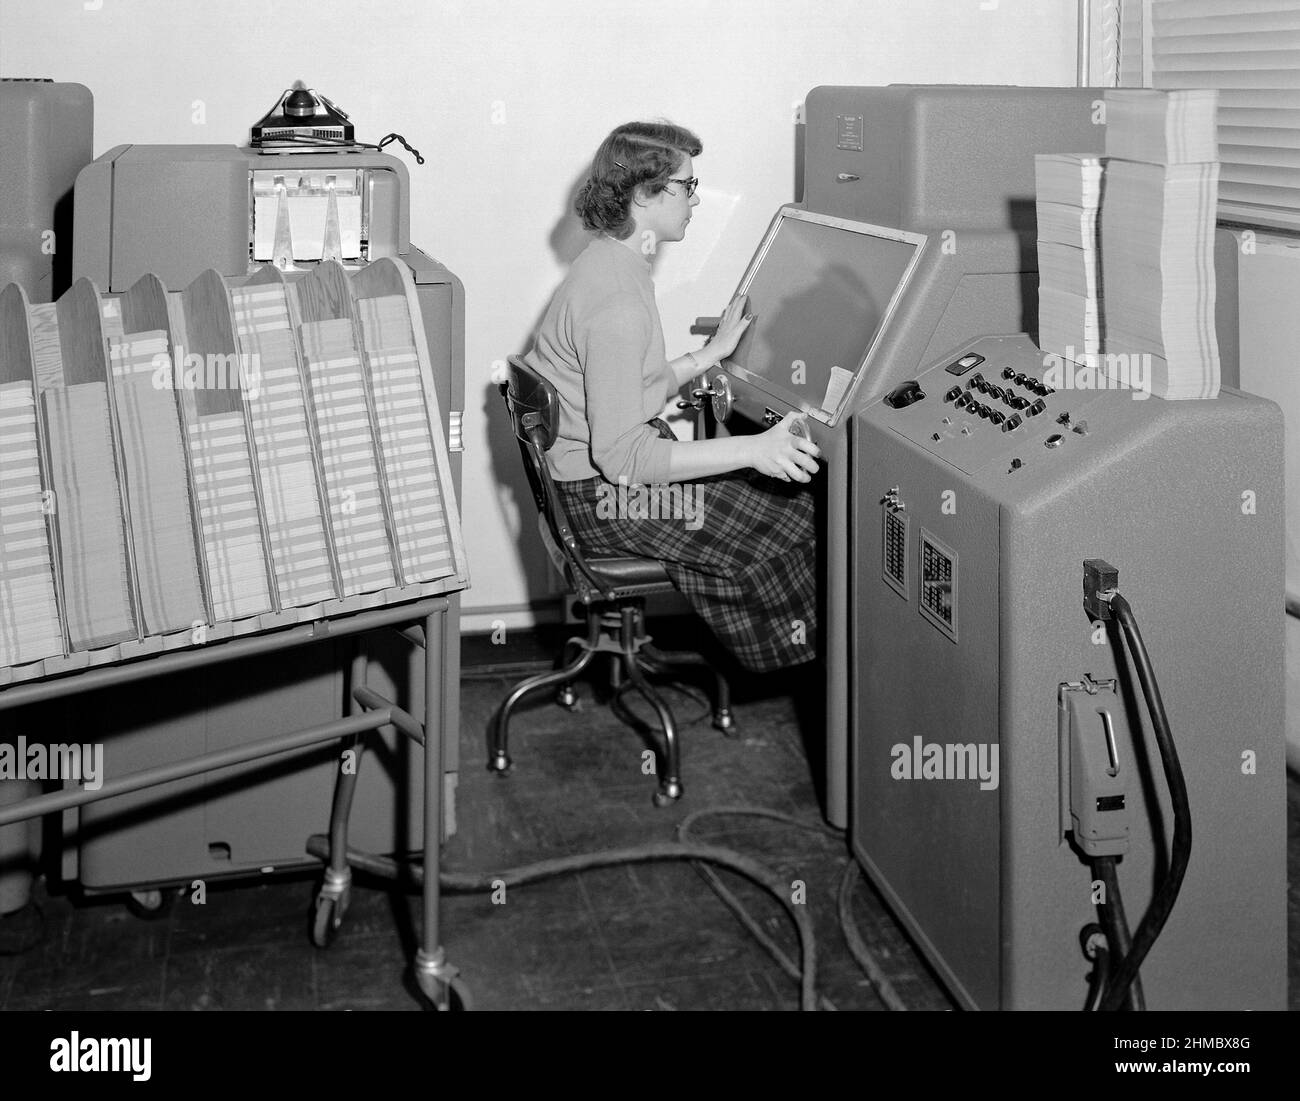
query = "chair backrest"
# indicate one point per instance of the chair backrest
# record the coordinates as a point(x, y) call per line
point(534, 408)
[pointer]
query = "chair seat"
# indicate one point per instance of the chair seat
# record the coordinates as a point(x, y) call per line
point(619, 576)
point(622, 573)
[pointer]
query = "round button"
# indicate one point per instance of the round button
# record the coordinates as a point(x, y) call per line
point(1054, 440)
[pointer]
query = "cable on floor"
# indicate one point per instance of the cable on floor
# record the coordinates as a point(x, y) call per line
point(660, 851)
point(857, 946)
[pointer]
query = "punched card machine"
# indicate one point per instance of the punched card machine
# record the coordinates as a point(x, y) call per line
point(917, 230)
point(176, 211)
point(979, 492)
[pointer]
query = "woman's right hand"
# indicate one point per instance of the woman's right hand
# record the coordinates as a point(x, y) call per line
point(780, 453)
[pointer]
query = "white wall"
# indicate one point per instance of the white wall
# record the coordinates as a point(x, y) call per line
point(508, 99)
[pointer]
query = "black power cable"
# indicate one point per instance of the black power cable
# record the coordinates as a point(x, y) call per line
point(1115, 925)
point(1181, 850)
point(1092, 938)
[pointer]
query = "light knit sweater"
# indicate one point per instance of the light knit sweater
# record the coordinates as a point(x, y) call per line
point(601, 345)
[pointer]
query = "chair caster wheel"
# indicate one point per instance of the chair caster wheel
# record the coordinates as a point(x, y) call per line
point(725, 721)
point(566, 697)
point(499, 762)
point(669, 792)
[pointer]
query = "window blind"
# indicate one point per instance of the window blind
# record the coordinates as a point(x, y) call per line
point(1250, 51)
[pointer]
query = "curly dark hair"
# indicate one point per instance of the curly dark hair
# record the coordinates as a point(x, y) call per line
point(636, 154)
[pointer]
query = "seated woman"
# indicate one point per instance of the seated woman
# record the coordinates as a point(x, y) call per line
point(743, 553)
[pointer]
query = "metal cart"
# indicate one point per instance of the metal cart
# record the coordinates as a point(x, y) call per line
point(424, 622)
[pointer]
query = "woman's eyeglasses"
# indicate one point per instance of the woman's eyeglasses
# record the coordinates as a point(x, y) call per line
point(690, 185)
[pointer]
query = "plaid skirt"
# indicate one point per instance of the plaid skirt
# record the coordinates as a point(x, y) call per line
point(740, 547)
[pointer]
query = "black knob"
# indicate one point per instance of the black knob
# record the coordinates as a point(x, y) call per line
point(1036, 408)
point(983, 411)
point(1008, 372)
point(904, 394)
point(953, 394)
point(997, 418)
point(977, 379)
point(300, 103)
point(1012, 423)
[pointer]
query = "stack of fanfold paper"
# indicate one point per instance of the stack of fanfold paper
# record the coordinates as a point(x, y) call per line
point(157, 488)
point(1068, 193)
point(232, 526)
point(92, 540)
point(351, 467)
point(406, 439)
point(29, 615)
point(1157, 237)
point(273, 389)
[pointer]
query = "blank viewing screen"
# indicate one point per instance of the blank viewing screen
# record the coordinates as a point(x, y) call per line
point(818, 297)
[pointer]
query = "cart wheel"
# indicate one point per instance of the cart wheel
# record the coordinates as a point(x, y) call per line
point(446, 997)
point(328, 919)
point(151, 905)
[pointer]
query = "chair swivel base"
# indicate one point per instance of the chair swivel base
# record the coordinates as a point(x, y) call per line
point(633, 656)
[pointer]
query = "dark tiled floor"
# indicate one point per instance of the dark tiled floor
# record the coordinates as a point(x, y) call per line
point(649, 936)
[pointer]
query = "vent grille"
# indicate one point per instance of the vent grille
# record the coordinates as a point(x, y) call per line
point(939, 585)
point(894, 542)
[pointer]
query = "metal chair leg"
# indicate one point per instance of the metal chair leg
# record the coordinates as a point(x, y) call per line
point(565, 695)
point(670, 784)
point(723, 717)
point(499, 758)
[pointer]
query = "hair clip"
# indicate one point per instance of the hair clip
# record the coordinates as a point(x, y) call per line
point(621, 165)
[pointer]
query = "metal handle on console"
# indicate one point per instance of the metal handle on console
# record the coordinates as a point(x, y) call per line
point(720, 392)
point(845, 177)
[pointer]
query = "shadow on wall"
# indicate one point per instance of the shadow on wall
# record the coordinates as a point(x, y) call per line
point(567, 239)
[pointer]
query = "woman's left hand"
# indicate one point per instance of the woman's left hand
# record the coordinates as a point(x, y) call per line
point(730, 329)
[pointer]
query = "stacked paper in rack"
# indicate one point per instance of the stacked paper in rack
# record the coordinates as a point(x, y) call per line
point(1157, 238)
point(232, 526)
point(350, 463)
point(406, 439)
point(1068, 194)
point(273, 389)
point(92, 540)
point(157, 487)
point(29, 616)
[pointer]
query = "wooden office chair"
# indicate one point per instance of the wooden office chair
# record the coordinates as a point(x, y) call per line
point(612, 591)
